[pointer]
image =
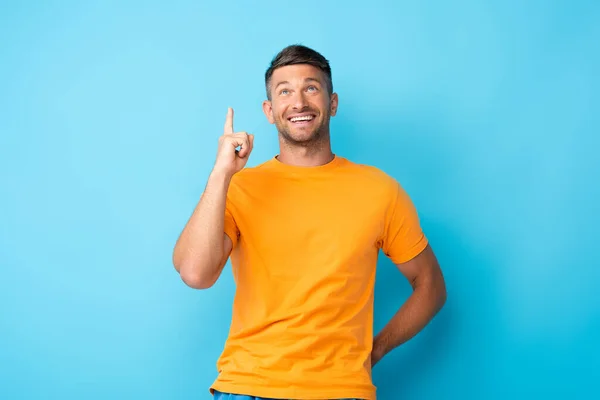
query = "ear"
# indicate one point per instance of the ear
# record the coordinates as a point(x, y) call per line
point(268, 110)
point(333, 104)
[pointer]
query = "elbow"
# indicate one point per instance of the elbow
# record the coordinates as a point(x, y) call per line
point(194, 277)
point(442, 297)
point(196, 281)
point(433, 286)
point(440, 290)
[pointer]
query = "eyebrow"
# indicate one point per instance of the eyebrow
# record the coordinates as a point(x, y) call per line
point(305, 80)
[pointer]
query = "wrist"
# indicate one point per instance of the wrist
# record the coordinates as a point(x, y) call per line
point(219, 174)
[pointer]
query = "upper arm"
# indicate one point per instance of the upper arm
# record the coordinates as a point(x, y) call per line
point(425, 264)
point(402, 237)
point(423, 269)
point(227, 247)
point(405, 243)
point(230, 235)
point(232, 232)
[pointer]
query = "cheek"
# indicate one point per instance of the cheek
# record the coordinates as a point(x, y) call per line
point(322, 103)
point(279, 111)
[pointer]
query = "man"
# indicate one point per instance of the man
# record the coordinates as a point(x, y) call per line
point(304, 230)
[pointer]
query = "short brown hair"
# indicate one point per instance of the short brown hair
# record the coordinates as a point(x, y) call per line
point(299, 54)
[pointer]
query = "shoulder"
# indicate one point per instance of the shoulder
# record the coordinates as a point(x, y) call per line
point(371, 175)
point(378, 185)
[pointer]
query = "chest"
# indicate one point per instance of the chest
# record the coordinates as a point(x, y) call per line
point(299, 221)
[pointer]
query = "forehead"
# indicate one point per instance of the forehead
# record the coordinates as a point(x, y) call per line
point(299, 72)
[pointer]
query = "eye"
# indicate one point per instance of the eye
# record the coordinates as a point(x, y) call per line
point(284, 92)
point(312, 88)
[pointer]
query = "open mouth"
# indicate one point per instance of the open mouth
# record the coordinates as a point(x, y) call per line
point(304, 119)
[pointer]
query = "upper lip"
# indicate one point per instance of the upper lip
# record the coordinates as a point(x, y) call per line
point(301, 115)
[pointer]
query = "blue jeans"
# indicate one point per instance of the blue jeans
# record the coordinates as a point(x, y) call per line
point(229, 396)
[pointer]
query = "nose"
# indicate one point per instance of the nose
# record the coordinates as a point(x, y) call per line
point(299, 101)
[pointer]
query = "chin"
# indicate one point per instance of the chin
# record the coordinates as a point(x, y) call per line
point(302, 136)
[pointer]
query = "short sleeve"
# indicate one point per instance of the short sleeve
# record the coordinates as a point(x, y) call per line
point(403, 237)
point(230, 225)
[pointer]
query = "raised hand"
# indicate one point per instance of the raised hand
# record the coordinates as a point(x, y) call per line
point(230, 160)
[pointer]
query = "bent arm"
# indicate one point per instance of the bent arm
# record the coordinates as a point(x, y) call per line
point(426, 300)
point(203, 248)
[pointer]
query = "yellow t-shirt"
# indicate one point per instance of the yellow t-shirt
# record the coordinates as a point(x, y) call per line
point(306, 242)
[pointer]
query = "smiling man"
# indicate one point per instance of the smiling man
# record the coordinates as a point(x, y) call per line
point(304, 230)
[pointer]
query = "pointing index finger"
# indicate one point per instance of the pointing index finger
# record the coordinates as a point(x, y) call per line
point(229, 122)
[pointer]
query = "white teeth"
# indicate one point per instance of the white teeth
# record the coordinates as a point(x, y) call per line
point(305, 118)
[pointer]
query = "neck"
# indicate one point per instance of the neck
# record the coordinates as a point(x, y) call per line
point(306, 154)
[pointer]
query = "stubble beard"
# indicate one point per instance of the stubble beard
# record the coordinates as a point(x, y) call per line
point(317, 137)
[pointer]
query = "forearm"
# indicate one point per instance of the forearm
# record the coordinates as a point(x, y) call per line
point(198, 252)
point(423, 304)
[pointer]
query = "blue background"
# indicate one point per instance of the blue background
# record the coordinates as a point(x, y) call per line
point(486, 112)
